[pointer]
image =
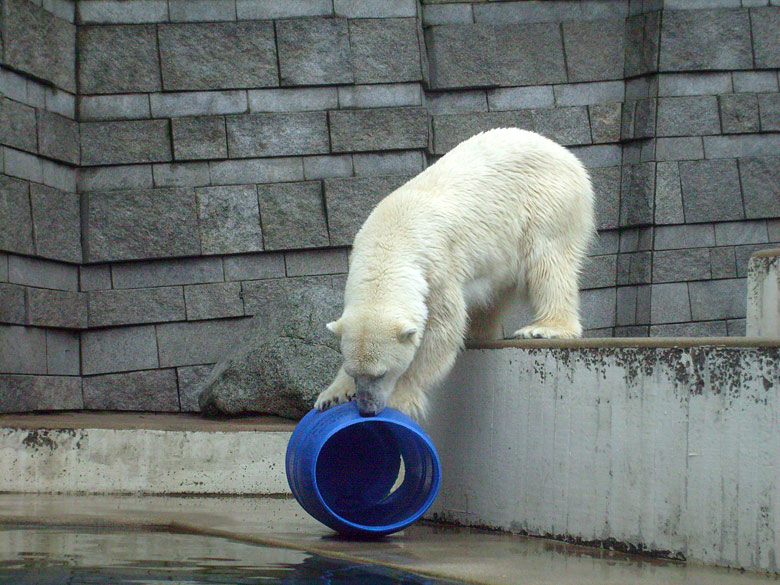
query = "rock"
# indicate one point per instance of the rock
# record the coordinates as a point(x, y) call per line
point(287, 357)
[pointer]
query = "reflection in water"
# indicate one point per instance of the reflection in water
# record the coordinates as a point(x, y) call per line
point(65, 556)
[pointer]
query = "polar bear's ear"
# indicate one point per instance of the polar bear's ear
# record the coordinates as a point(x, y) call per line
point(334, 327)
point(406, 331)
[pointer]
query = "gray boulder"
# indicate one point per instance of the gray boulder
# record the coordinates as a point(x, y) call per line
point(286, 357)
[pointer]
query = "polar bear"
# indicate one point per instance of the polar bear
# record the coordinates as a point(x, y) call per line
point(506, 212)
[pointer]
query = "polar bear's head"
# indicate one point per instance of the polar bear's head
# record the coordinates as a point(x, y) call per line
point(377, 350)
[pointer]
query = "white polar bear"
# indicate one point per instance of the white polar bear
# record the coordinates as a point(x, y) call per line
point(505, 212)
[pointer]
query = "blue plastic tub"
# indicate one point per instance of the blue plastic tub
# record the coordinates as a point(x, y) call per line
point(346, 470)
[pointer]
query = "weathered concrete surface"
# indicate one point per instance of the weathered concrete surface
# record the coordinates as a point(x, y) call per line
point(670, 448)
point(763, 297)
point(131, 454)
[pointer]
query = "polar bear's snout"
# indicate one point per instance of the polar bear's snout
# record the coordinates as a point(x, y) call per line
point(370, 395)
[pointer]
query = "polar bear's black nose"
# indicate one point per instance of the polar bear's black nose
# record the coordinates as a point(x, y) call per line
point(367, 404)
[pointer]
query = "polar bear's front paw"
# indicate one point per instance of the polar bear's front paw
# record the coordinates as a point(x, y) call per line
point(333, 396)
point(546, 332)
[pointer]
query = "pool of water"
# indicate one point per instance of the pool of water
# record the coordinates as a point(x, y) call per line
point(79, 556)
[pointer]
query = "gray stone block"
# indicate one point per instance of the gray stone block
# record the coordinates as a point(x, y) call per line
point(567, 126)
point(381, 96)
point(130, 141)
point(772, 226)
point(678, 265)
point(594, 50)
point(233, 172)
point(597, 156)
point(738, 113)
point(711, 190)
point(293, 100)
point(198, 342)
point(644, 119)
point(447, 14)
point(16, 231)
point(22, 165)
point(718, 299)
point(270, 300)
point(703, 329)
point(679, 148)
point(40, 273)
point(229, 219)
point(3, 267)
point(213, 301)
point(482, 55)
point(631, 331)
point(599, 272)
point(723, 263)
point(350, 200)
point(56, 308)
point(688, 116)
point(12, 304)
point(526, 12)
point(111, 178)
point(755, 81)
point(58, 137)
point(452, 129)
point(605, 122)
point(597, 308)
point(669, 303)
point(644, 302)
point(202, 10)
point(636, 194)
point(642, 44)
point(375, 8)
point(606, 187)
point(149, 391)
point(766, 39)
point(94, 277)
point(634, 268)
point(761, 186)
point(315, 262)
point(314, 51)
point(388, 163)
point(24, 350)
point(135, 306)
point(38, 43)
point(118, 349)
point(625, 309)
point(192, 380)
point(385, 50)
point(132, 106)
point(193, 174)
point(62, 353)
point(382, 129)
point(513, 98)
point(254, 266)
point(605, 242)
point(141, 224)
point(60, 176)
point(736, 327)
point(706, 39)
point(198, 103)
point(684, 236)
point(327, 167)
point(293, 215)
point(218, 55)
point(199, 138)
point(278, 134)
point(735, 233)
point(56, 217)
point(118, 59)
point(668, 194)
point(167, 272)
point(44, 393)
point(583, 94)
point(628, 121)
point(769, 109)
point(17, 125)
point(60, 102)
point(122, 12)
point(741, 146)
point(267, 9)
point(690, 84)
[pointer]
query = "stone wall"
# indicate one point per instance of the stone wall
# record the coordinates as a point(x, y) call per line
point(168, 163)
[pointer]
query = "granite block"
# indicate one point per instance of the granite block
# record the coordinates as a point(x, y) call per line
point(769, 110)
point(22, 165)
point(218, 55)
point(451, 129)
point(58, 137)
point(636, 194)
point(765, 24)
point(118, 349)
point(378, 129)
point(606, 188)
point(254, 266)
point(135, 306)
point(277, 134)
point(24, 350)
point(691, 84)
point(718, 299)
point(128, 141)
point(315, 262)
point(229, 219)
point(167, 272)
point(131, 106)
point(203, 137)
point(678, 265)
point(755, 81)
point(267, 9)
point(118, 59)
point(567, 126)
point(274, 170)
point(192, 380)
point(723, 262)
point(679, 148)
point(17, 125)
point(327, 167)
point(381, 96)
point(41, 273)
point(684, 236)
point(56, 217)
point(514, 98)
point(202, 10)
point(12, 304)
point(94, 277)
point(122, 12)
point(738, 113)
point(56, 308)
point(447, 14)
point(198, 103)
point(60, 102)
point(44, 393)
point(761, 186)
point(385, 50)
point(314, 51)
point(62, 353)
point(669, 303)
point(118, 177)
point(293, 100)
point(140, 224)
point(198, 342)
point(186, 174)
point(594, 49)
point(597, 307)
point(293, 215)
point(146, 391)
point(742, 145)
point(711, 190)
point(668, 194)
point(702, 329)
point(388, 163)
point(688, 116)
point(213, 301)
point(375, 8)
point(599, 272)
point(16, 229)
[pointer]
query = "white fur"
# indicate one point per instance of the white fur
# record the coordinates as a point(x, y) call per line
point(505, 211)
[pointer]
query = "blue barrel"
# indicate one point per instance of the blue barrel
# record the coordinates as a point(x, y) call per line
point(346, 470)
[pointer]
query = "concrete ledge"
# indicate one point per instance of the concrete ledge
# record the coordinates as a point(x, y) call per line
point(763, 296)
point(142, 454)
point(668, 447)
point(626, 343)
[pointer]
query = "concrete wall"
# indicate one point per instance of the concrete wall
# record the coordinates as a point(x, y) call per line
point(763, 310)
point(164, 161)
point(668, 448)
